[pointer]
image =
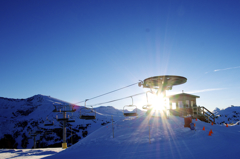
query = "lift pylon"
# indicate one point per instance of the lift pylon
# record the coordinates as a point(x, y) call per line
point(34, 134)
point(162, 83)
point(64, 109)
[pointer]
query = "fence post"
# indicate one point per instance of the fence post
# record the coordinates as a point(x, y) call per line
point(112, 127)
point(71, 136)
point(35, 141)
point(149, 129)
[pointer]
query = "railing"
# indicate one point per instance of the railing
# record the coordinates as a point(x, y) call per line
point(208, 115)
point(201, 112)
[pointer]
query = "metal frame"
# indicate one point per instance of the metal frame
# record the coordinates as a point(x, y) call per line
point(34, 136)
point(48, 132)
point(148, 105)
point(70, 119)
point(162, 83)
point(51, 124)
point(64, 108)
point(89, 116)
point(130, 114)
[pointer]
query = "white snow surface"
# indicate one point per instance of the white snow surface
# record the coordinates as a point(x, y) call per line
point(230, 115)
point(21, 116)
point(28, 153)
point(169, 139)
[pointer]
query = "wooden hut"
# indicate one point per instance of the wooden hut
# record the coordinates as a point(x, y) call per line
point(184, 104)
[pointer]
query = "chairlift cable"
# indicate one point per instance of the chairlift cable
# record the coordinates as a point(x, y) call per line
point(108, 92)
point(117, 99)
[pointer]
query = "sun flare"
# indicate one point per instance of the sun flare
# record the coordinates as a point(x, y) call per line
point(158, 102)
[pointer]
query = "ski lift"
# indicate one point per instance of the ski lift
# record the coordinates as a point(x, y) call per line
point(130, 113)
point(148, 105)
point(87, 113)
point(38, 132)
point(71, 119)
point(48, 124)
point(47, 132)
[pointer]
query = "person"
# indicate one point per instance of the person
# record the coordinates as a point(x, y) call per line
point(192, 127)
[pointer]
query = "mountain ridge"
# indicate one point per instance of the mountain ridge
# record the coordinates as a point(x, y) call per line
point(21, 116)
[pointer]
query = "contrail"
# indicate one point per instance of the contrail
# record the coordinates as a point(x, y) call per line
point(206, 90)
point(197, 91)
point(226, 69)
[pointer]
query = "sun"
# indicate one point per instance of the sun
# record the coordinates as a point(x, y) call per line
point(158, 102)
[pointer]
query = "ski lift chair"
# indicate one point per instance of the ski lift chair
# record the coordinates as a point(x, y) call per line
point(49, 122)
point(38, 131)
point(47, 132)
point(87, 113)
point(71, 119)
point(147, 106)
point(133, 113)
point(130, 113)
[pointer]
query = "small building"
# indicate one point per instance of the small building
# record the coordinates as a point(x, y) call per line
point(182, 104)
point(183, 100)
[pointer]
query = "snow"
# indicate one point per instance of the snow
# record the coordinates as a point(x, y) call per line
point(130, 138)
point(168, 137)
point(24, 115)
point(230, 115)
point(28, 153)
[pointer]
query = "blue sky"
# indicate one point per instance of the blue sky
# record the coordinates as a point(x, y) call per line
point(74, 50)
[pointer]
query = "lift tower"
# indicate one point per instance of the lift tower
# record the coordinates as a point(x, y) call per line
point(64, 109)
point(34, 134)
point(162, 83)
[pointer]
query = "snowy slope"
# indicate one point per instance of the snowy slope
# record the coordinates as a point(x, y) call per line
point(230, 115)
point(20, 116)
point(28, 153)
point(169, 140)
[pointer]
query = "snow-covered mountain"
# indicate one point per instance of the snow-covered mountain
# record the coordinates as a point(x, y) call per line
point(20, 116)
point(230, 115)
point(133, 138)
point(146, 137)
point(150, 137)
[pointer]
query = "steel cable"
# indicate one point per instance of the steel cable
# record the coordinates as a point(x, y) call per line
point(108, 93)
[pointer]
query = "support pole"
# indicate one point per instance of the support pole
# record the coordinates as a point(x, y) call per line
point(34, 141)
point(149, 129)
point(64, 144)
point(64, 127)
point(170, 109)
point(112, 127)
point(71, 136)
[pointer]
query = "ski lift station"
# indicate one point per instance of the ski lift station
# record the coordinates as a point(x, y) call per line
point(182, 105)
